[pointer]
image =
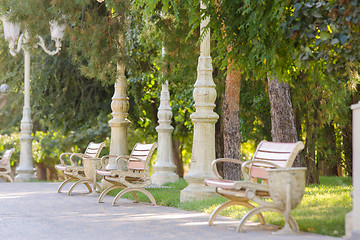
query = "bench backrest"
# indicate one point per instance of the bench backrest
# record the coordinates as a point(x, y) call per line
point(144, 152)
point(94, 149)
point(281, 154)
point(5, 160)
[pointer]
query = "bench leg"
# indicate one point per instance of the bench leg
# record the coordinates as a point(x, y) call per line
point(77, 183)
point(132, 191)
point(64, 183)
point(290, 224)
point(97, 187)
point(108, 189)
point(291, 221)
point(231, 203)
point(7, 178)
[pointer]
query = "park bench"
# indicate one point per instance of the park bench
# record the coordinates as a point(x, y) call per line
point(132, 173)
point(5, 168)
point(269, 181)
point(74, 169)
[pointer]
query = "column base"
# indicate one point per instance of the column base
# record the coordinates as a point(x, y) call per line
point(25, 176)
point(348, 225)
point(162, 177)
point(197, 192)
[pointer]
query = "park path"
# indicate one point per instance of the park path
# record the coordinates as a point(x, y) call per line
point(37, 211)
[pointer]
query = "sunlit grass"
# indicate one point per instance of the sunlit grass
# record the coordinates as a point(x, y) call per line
point(321, 211)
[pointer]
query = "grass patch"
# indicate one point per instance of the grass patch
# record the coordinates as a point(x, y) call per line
point(321, 211)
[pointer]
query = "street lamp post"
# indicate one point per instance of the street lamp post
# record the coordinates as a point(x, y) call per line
point(25, 171)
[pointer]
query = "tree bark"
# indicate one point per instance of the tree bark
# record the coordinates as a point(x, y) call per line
point(310, 147)
point(282, 116)
point(347, 146)
point(231, 123)
point(41, 172)
point(219, 136)
point(177, 158)
point(328, 153)
point(347, 136)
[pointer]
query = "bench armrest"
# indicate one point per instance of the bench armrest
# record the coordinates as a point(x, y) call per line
point(126, 158)
point(78, 155)
point(246, 165)
point(105, 160)
point(214, 166)
point(62, 155)
point(251, 186)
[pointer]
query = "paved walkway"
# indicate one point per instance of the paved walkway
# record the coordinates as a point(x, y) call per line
point(37, 211)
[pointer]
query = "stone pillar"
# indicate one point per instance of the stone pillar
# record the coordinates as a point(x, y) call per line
point(164, 166)
point(356, 172)
point(119, 123)
point(25, 171)
point(204, 118)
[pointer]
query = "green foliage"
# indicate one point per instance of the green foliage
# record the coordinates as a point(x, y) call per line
point(330, 198)
point(150, 67)
point(255, 111)
point(253, 30)
point(8, 141)
point(64, 99)
point(47, 147)
point(327, 30)
point(92, 32)
point(311, 44)
point(12, 74)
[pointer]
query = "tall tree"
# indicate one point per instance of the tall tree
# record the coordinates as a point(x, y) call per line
point(231, 123)
point(282, 116)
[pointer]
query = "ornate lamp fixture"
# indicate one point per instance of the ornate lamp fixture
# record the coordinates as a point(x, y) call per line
point(12, 32)
point(16, 43)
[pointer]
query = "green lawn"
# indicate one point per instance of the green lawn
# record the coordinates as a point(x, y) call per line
point(321, 211)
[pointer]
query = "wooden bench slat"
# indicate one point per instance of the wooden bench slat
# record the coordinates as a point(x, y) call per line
point(279, 163)
point(145, 147)
point(91, 153)
point(258, 172)
point(272, 156)
point(139, 153)
point(136, 165)
point(280, 147)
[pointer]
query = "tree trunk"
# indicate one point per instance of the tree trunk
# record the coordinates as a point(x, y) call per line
point(347, 136)
point(41, 172)
point(310, 147)
point(177, 158)
point(219, 130)
point(313, 175)
point(347, 146)
point(282, 116)
point(219, 136)
point(231, 123)
point(328, 153)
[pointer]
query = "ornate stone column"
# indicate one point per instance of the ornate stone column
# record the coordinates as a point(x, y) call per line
point(25, 171)
point(356, 172)
point(164, 166)
point(119, 123)
point(204, 118)
point(120, 106)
